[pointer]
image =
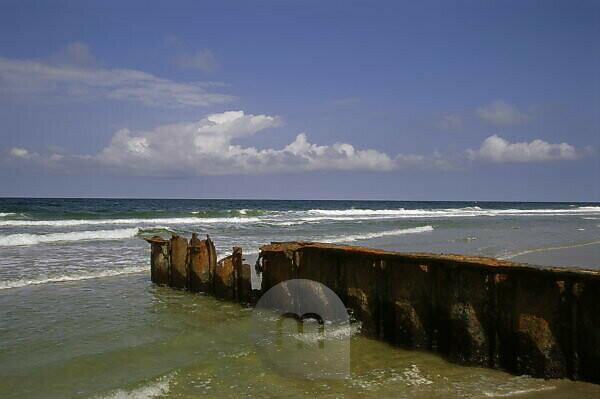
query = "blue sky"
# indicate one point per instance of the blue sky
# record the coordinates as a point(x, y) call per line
point(366, 100)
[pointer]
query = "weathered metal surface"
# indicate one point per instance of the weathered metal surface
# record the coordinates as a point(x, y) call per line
point(540, 321)
point(244, 283)
point(225, 286)
point(179, 253)
point(194, 267)
point(160, 259)
point(199, 271)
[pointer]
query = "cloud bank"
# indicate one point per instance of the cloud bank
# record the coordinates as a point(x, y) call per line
point(73, 74)
point(498, 150)
point(208, 147)
point(20, 153)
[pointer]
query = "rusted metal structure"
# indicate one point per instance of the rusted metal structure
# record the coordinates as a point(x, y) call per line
point(193, 266)
point(539, 321)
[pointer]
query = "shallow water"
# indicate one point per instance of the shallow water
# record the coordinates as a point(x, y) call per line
point(124, 337)
point(80, 318)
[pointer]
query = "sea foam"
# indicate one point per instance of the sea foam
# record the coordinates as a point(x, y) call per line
point(534, 250)
point(157, 388)
point(368, 236)
point(31, 239)
point(71, 277)
point(288, 218)
point(165, 221)
point(358, 214)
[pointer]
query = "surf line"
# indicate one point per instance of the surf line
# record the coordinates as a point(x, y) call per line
point(529, 251)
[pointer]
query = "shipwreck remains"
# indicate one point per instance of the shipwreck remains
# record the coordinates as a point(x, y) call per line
point(539, 321)
point(193, 266)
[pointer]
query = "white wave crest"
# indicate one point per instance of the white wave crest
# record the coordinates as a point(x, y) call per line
point(331, 333)
point(4, 214)
point(517, 392)
point(71, 277)
point(356, 212)
point(361, 214)
point(31, 239)
point(164, 221)
point(159, 388)
point(368, 236)
point(289, 218)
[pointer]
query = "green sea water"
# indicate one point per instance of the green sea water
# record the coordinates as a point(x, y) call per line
point(79, 316)
point(122, 337)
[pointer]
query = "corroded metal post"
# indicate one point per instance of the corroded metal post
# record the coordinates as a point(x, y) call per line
point(160, 260)
point(539, 321)
point(194, 267)
point(179, 249)
point(225, 276)
point(200, 272)
point(243, 276)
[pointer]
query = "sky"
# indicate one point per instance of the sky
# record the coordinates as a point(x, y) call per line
point(466, 100)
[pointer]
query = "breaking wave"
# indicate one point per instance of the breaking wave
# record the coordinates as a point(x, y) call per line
point(71, 277)
point(517, 392)
point(230, 213)
point(288, 218)
point(356, 212)
point(330, 333)
point(158, 388)
point(348, 214)
point(31, 239)
point(368, 236)
point(167, 221)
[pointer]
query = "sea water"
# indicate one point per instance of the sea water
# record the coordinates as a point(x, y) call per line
point(80, 318)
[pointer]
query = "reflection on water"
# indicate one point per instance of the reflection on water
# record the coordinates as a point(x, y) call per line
point(122, 337)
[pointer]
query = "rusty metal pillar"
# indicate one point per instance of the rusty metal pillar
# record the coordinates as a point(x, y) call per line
point(160, 260)
point(199, 271)
point(178, 262)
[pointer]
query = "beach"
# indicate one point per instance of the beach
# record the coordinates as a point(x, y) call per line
point(80, 317)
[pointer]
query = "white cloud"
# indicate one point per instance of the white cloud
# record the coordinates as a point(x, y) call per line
point(20, 153)
point(206, 147)
point(502, 114)
point(71, 75)
point(203, 60)
point(496, 149)
point(339, 156)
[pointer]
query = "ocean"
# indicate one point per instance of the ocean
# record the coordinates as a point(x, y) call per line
point(80, 318)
